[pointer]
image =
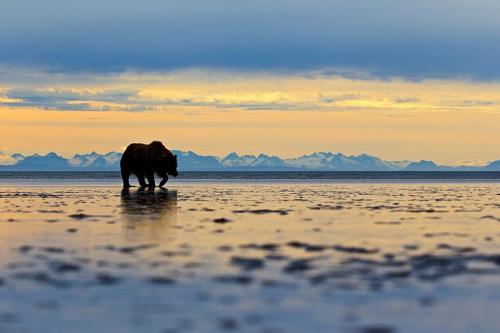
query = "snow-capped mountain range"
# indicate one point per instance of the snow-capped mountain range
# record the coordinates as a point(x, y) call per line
point(190, 161)
point(95, 160)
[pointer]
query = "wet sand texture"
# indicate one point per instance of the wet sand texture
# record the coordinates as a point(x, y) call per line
point(251, 258)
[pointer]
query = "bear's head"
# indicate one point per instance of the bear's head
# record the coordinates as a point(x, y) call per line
point(168, 164)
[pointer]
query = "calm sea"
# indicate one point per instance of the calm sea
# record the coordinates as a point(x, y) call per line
point(113, 178)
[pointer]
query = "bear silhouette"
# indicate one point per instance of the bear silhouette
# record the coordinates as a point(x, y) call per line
point(144, 160)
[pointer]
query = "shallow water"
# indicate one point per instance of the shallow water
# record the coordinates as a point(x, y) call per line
point(59, 178)
point(251, 258)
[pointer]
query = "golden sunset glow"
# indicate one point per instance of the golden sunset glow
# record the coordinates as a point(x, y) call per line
point(286, 115)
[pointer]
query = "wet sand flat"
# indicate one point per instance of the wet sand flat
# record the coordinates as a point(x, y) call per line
point(369, 258)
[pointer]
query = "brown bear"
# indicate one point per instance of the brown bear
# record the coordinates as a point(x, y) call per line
point(145, 160)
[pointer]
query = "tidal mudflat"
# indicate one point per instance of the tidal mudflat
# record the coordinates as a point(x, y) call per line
point(361, 258)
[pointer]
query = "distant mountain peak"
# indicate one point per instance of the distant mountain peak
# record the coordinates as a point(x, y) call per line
point(17, 157)
point(426, 162)
point(493, 166)
point(423, 165)
point(232, 155)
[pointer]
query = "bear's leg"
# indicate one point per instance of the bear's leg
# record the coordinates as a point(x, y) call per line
point(151, 179)
point(163, 180)
point(140, 178)
point(125, 176)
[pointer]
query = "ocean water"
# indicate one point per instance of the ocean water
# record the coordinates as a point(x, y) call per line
point(113, 178)
point(244, 257)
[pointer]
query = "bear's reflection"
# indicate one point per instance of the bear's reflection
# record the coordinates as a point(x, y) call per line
point(148, 214)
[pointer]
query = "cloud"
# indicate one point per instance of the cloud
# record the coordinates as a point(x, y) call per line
point(356, 39)
point(64, 95)
point(68, 99)
point(80, 99)
point(6, 159)
point(191, 98)
point(188, 91)
point(404, 100)
point(473, 162)
point(111, 100)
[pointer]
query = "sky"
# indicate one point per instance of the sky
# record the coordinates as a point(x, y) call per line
point(402, 80)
